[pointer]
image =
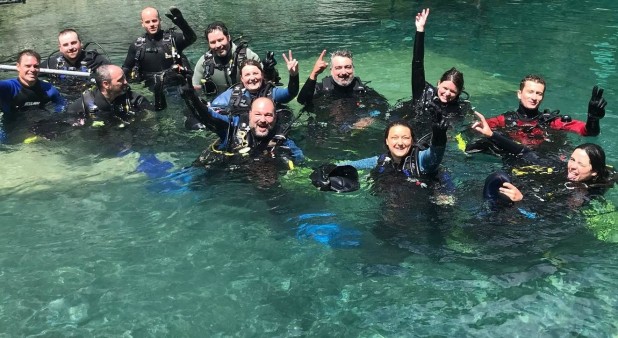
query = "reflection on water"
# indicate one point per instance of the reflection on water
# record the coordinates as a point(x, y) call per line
point(92, 246)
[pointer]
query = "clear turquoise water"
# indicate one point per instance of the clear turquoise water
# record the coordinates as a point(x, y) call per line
point(86, 249)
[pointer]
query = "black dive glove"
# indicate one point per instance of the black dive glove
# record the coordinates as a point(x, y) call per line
point(596, 111)
point(270, 72)
point(596, 106)
point(438, 128)
point(269, 61)
point(507, 144)
point(176, 16)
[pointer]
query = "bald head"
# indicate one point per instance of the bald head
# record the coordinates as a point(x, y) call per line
point(262, 117)
point(151, 20)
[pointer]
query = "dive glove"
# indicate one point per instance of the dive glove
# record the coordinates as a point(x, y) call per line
point(176, 16)
point(269, 61)
point(596, 105)
point(438, 128)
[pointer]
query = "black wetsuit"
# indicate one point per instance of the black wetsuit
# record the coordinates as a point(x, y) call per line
point(94, 106)
point(425, 101)
point(328, 85)
point(86, 61)
point(153, 54)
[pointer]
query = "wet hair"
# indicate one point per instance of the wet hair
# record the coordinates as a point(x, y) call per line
point(28, 52)
point(403, 123)
point(596, 154)
point(216, 26)
point(251, 62)
point(343, 53)
point(532, 78)
point(456, 77)
point(102, 74)
point(69, 30)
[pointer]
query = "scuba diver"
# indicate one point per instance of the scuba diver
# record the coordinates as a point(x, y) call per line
point(111, 103)
point(446, 95)
point(407, 163)
point(73, 57)
point(587, 175)
point(109, 109)
point(530, 126)
point(158, 53)
point(26, 91)
point(260, 135)
point(253, 85)
point(341, 98)
point(219, 68)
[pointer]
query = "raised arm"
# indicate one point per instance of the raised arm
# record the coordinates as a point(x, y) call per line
point(188, 35)
point(418, 55)
point(306, 93)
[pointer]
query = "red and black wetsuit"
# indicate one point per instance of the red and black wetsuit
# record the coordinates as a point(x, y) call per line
point(529, 127)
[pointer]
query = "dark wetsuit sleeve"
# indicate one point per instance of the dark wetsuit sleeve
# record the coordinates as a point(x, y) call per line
point(142, 103)
point(184, 39)
point(129, 61)
point(8, 90)
point(76, 108)
point(97, 61)
point(507, 144)
point(293, 85)
point(418, 66)
point(215, 122)
point(306, 93)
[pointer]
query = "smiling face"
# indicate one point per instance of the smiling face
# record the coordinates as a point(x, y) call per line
point(251, 78)
point(69, 45)
point(342, 70)
point(531, 95)
point(262, 117)
point(151, 21)
point(579, 167)
point(447, 91)
point(399, 141)
point(219, 43)
point(28, 69)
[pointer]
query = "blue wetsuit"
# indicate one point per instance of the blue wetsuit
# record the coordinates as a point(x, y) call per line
point(234, 134)
point(16, 97)
point(428, 161)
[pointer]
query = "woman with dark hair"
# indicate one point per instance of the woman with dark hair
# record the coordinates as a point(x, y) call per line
point(426, 98)
point(586, 170)
point(405, 159)
point(238, 98)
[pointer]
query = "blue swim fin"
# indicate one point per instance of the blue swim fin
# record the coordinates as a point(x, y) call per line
point(330, 234)
point(150, 165)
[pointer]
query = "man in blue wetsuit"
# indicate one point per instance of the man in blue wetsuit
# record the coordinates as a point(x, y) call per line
point(259, 136)
point(26, 91)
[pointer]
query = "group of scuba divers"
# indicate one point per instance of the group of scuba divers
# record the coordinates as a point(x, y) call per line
point(234, 94)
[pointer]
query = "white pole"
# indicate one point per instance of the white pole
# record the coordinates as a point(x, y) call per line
point(51, 71)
